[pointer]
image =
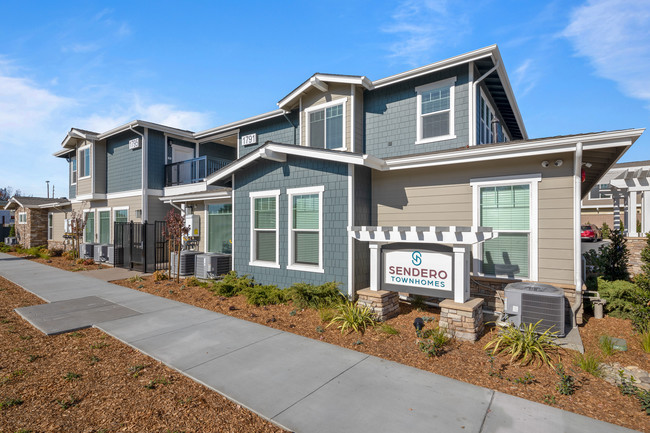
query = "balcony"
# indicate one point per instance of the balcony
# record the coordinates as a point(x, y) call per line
point(192, 170)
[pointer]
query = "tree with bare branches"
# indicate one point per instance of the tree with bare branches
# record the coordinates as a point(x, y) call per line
point(175, 230)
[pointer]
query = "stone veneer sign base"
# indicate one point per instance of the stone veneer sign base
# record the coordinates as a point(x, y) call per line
point(383, 303)
point(463, 321)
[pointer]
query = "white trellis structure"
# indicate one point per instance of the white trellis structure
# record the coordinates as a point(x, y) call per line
point(629, 184)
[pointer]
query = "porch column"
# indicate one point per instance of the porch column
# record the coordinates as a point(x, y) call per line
point(645, 212)
point(616, 197)
point(461, 273)
point(626, 211)
point(375, 268)
point(631, 214)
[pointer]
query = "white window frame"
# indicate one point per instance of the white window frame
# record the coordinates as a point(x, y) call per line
point(301, 266)
point(448, 82)
point(22, 220)
point(264, 194)
point(94, 223)
point(85, 148)
point(73, 170)
point(50, 226)
point(532, 180)
point(324, 106)
point(117, 208)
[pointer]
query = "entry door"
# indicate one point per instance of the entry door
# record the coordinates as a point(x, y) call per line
point(179, 154)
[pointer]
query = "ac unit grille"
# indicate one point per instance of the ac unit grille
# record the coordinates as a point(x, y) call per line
point(188, 259)
point(548, 309)
point(212, 265)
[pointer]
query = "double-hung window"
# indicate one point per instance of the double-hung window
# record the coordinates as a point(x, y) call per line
point(84, 161)
point(509, 206)
point(104, 226)
point(435, 111)
point(121, 215)
point(50, 226)
point(326, 125)
point(89, 231)
point(305, 229)
point(220, 228)
point(73, 170)
point(264, 228)
point(22, 217)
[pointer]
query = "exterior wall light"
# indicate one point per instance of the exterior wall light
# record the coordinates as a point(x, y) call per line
point(545, 164)
point(558, 163)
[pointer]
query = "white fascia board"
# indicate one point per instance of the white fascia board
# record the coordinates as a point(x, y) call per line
point(171, 191)
point(343, 157)
point(54, 204)
point(211, 195)
point(232, 167)
point(319, 82)
point(237, 124)
point(433, 67)
point(509, 150)
point(186, 135)
point(63, 152)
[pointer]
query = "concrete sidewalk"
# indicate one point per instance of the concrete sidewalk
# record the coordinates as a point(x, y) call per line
point(301, 384)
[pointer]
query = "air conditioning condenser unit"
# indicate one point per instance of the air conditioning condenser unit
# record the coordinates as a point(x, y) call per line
point(529, 303)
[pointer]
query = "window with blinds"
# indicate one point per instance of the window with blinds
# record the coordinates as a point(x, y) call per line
point(220, 228)
point(265, 229)
point(326, 128)
point(104, 226)
point(507, 210)
point(89, 234)
point(121, 215)
point(305, 229)
point(435, 111)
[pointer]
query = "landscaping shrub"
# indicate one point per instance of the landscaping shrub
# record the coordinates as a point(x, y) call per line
point(589, 363)
point(264, 295)
point(433, 341)
point(306, 295)
point(160, 275)
point(641, 312)
point(135, 279)
point(231, 284)
point(606, 345)
point(605, 230)
point(566, 385)
point(524, 344)
point(626, 300)
point(326, 314)
point(88, 262)
point(614, 258)
point(645, 339)
point(194, 282)
point(352, 317)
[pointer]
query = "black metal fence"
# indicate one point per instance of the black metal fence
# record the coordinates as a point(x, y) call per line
point(140, 246)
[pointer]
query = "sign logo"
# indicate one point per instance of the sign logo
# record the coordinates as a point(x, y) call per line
point(416, 258)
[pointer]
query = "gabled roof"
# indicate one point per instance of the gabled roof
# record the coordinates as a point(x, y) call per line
point(319, 81)
point(35, 202)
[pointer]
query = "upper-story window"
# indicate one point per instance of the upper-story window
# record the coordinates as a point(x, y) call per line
point(73, 169)
point(84, 162)
point(326, 125)
point(602, 190)
point(435, 111)
point(486, 117)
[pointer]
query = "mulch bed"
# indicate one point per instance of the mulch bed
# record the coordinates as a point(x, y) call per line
point(63, 263)
point(464, 361)
point(118, 388)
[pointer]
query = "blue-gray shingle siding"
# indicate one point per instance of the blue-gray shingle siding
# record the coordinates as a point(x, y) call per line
point(156, 168)
point(72, 190)
point(218, 150)
point(296, 172)
point(177, 142)
point(390, 116)
point(362, 217)
point(123, 165)
point(277, 129)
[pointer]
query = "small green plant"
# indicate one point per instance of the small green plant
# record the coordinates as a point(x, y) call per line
point(606, 345)
point(135, 279)
point(10, 402)
point(320, 329)
point(526, 379)
point(417, 302)
point(627, 387)
point(304, 295)
point(94, 360)
point(99, 345)
point(644, 339)
point(76, 334)
point(195, 282)
point(69, 402)
point(153, 383)
point(264, 295)
point(524, 343)
point(605, 230)
point(549, 399)
point(231, 284)
point(589, 363)
point(70, 376)
point(292, 313)
point(352, 317)
point(160, 275)
point(326, 314)
point(433, 341)
point(32, 358)
point(26, 337)
point(566, 385)
point(387, 329)
point(135, 370)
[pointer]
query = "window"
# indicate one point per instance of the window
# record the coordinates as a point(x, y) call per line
point(435, 111)
point(89, 231)
point(264, 236)
point(73, 170)
point(509, 206)
point(602, 190)
point(326, 125)
point(84, 162)
point(305, 229)
point(22, 217)
point(220, 228)
point(121, 215)
point(486, 116)
point(104, 226)
point(50, 226)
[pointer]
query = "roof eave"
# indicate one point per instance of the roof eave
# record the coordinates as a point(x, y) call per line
point(314, 82)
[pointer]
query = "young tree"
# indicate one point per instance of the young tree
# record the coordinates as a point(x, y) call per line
point(77, 226)
point(175, 231)
point(614, 258)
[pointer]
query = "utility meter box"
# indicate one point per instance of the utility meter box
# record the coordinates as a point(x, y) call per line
point(194, 223)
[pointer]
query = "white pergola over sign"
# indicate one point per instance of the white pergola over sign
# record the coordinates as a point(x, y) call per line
point(629, 184)
point(460, 239)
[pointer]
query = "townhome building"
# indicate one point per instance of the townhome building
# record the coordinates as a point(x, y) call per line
point(431, 153)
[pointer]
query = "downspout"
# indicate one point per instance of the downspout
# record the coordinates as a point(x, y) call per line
point(474, 93)
point(144, 217)
point(577, 246)
point(171, 203)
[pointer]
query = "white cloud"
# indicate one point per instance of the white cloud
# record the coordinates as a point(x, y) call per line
point(525, 77)
point(615, 36)
point(422, 26)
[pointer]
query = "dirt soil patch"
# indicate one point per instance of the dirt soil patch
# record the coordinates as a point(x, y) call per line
point(463, 360)
point(87, 381)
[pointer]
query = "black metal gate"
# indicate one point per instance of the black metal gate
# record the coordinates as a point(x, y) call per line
point(140, 246)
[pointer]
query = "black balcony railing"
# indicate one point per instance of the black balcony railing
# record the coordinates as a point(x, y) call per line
point(192, 170)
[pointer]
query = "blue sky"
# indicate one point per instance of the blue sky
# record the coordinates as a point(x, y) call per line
point(197, 65)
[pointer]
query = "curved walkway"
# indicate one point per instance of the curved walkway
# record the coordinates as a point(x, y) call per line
point(301, 384)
